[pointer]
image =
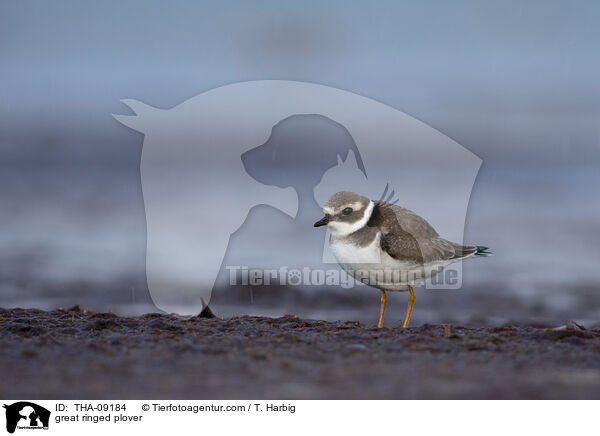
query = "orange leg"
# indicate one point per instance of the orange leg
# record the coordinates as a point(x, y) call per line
point(382, 311)
point(411, 303)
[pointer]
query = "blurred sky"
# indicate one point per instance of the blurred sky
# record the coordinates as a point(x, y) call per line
point(509, 80)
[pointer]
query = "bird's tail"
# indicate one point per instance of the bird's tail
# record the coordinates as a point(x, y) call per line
point(483, 251)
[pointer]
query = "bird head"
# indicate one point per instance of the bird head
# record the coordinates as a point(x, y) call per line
point(346, 212)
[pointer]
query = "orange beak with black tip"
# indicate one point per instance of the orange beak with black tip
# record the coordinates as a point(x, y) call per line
point(322, 222)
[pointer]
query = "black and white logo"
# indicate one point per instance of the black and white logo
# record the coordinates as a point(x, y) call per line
point(26, 415)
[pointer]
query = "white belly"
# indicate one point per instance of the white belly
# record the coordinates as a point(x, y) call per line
point(374, 267)
point(352, 254)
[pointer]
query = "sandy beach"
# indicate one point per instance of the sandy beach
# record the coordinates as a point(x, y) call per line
point(74, 353)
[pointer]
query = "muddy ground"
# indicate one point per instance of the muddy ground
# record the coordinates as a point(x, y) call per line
point(77, 354)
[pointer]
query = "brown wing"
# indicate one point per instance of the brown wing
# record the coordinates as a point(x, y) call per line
point(406, 219)
point(406, 236)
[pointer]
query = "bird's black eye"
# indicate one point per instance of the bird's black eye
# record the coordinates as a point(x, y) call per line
point(347, 211)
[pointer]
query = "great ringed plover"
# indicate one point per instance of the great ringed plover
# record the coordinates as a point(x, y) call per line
point(386, 246)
